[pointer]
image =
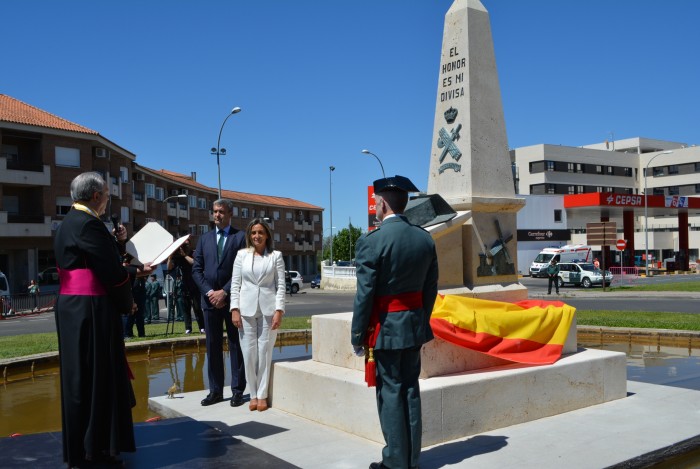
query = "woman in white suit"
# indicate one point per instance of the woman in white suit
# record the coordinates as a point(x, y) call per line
point(257, 306)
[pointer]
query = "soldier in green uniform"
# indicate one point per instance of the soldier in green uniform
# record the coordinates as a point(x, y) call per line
point(153, 292)
point(397, 275)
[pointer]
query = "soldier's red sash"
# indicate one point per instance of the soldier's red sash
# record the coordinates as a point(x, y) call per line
point(385, 304)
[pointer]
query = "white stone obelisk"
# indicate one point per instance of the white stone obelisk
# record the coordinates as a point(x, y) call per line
point(470, 164)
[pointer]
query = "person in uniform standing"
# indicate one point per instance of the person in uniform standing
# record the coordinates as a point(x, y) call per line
point(153, 293)
point(397, 277)
point(553, 275)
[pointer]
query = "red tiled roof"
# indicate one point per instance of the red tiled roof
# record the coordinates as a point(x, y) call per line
point(237, 196)
point(267, 200)
point(18, 112)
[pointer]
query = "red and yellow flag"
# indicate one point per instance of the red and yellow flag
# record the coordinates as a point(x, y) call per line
point(530, 331)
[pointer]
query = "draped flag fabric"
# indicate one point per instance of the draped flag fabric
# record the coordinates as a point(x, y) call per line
point(530, 331)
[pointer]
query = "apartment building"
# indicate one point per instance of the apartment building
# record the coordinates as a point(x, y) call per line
point(41, 153)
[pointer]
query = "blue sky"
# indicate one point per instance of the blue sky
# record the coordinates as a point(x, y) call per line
point(318, 81)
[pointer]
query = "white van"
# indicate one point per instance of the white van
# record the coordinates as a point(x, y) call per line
point(568, 253)
point(5, 305)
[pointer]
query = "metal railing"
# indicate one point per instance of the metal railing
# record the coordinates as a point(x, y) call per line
point(338, 272)
point(24, 303)
point(624, 275)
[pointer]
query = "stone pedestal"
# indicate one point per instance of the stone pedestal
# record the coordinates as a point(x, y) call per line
point(463, 392)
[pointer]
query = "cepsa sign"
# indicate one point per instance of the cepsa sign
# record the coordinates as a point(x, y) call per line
point(372, 221)
point(625, 200)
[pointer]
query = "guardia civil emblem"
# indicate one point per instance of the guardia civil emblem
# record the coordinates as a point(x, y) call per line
point(446, 140)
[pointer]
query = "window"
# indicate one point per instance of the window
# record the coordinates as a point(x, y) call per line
point(244, 212)
point(658, 191)
point(192, 200)
point(610, 170)
point(276, 215)
point(570, 167)
point(203, 229)
point(599, 169)
point(674, 190)
point(138, 196)
point(11, 152)
point(160, 193)
point(628, 172)
point(124, 173)
point(254, 213)
point(202, 203)
point(125, 215)
point(288, 216)
point(659, 171)
point(609, 189)
point(599, 189)
point(579, 189)
point(571, 190)
point(63, 205)
point(235, 211)
point(697, 167)
point(673, 169)
point(68, 157)
point(10, 203)
point(192, 229)
point(557, 216)
point(550, 165)
point(262, 213)
point(697, 188)
point(551, 188)
point(276, 237)
point(150, 190)
point(316, 217)
point(290, 238)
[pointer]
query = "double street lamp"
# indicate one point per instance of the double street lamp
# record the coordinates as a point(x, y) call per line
point(367, 152)
point(222, 151)
point(646, 216)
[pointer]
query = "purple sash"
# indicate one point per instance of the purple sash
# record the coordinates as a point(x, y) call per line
point(80, 282)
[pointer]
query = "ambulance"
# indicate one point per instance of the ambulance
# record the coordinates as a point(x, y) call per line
point(568, 253)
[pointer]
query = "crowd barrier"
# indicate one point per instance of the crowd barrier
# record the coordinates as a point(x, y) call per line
point(24, 303)
point(624, 275)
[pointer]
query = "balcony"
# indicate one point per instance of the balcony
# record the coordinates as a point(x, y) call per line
point(24, 174)
point(303, 226)
point(20, 225)
point(172, 210)
point(183, 213)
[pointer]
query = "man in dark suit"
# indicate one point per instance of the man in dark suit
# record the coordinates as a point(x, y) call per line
point(212, 269)
point(397, 275)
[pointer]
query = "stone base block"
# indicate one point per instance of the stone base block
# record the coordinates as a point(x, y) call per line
point(331, 339)
point(458, 405)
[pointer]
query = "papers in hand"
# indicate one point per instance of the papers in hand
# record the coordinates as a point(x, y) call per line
point(153, 244)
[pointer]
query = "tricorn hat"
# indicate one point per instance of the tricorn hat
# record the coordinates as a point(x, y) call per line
point(394, 183)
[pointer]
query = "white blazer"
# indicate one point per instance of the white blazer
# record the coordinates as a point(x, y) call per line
point(249, 291)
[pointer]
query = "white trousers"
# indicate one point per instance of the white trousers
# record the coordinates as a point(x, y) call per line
point(257, 342)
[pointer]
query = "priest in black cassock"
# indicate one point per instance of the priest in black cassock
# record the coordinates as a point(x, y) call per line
point(95, 290)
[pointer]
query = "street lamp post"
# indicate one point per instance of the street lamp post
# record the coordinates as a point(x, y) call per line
point(646, 216)
point(222, 151)
point(330, 198)
point(367, 152)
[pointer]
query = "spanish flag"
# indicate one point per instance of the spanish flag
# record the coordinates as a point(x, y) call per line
point(530, 331)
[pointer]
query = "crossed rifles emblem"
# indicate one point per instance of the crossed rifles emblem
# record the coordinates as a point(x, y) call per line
point(447, 141)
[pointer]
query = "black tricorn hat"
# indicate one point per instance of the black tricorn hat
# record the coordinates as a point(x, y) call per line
point(394, 183)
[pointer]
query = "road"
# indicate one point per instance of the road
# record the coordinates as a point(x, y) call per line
point(310, 302)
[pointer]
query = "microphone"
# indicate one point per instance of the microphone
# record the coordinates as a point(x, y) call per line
point(115, 221)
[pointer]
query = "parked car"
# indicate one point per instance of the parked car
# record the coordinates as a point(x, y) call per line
point(316, 282)
point(295, 281)
point(584, 274)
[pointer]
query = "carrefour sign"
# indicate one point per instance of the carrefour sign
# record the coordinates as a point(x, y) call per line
point(625, 200)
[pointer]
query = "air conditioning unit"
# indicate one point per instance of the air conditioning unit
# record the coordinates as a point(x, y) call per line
point(139, 177)
point(175, 221)
point(101, 152)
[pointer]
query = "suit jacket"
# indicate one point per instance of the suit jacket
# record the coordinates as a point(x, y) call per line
point(397, 257)
point(250, 291)
point(210, 273)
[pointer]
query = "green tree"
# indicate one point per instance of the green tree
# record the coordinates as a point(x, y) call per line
point(344, 243)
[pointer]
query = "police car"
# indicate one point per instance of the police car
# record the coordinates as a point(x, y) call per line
point(583, 274)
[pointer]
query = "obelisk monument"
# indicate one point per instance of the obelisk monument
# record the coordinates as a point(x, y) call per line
point(470, 165)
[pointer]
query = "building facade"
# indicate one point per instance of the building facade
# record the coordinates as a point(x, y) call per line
point(41, 153)
point(616, 168)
